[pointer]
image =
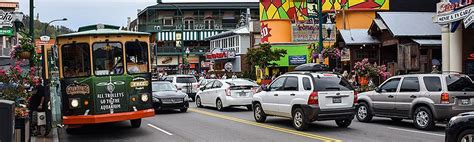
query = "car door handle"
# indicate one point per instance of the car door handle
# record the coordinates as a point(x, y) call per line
point(390, 96)
point(412, 96)
point(275, 94)
point(292, 94)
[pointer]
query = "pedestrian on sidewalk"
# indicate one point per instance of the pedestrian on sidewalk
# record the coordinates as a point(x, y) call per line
point(36, 104)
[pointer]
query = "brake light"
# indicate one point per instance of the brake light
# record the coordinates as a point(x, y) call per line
point(356, 97)
point(227, 92)
point(313, 98)
point(445, 98)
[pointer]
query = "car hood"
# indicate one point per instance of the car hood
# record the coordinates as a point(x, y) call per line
point(169, 94)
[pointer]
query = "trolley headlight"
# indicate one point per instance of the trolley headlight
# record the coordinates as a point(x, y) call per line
point(74, 103)
point(144, 97)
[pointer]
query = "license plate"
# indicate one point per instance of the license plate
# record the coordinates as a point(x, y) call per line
point(465, 102)
point(242, 94)
point(337, 100)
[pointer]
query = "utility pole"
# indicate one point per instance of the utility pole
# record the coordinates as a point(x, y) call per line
point(320, 21)
point(32, 21)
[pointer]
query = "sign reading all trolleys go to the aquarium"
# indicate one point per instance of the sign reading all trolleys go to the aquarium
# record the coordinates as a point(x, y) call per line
point(449, 12)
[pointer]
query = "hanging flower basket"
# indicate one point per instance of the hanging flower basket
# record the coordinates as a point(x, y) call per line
point(25, 55)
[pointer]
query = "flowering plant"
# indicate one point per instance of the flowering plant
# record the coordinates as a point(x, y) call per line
point(365, 69)
point(333, 53)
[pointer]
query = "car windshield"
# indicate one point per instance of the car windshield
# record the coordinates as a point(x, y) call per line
point(186, 80)
point(459, 83)
point(332, 84)
point(160, 87)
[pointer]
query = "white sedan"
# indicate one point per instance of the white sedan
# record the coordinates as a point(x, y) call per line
point(226, 93)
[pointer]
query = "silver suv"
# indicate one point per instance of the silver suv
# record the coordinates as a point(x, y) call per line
point(424, 98)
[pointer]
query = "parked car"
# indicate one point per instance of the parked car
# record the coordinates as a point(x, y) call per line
point(460, 128)
point(167, 97)
point(424, 98)
point(307, 96)
point(185, 83)
point(226, 93)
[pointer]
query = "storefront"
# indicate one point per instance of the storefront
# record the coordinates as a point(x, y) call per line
point(297, 54)
point(168, 64)
point(456, 18)
point(7, 34)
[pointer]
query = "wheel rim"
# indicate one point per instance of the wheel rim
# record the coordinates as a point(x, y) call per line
point(362, 112)
point(219, 104)
point(257, 114)
point(422, 118)
point(468, 138)
point(198, 101)
point(298, 119)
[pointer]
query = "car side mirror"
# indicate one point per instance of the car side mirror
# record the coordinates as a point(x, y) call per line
point(202, 88)
point(264, 88)
point(378, 90)
point(179, 89)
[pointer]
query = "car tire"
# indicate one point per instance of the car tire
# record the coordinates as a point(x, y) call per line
point(396, 119)
point(343, 123)
point(423, 118)
point(465, 135)
point(363, 112)
point(219, 105)
point(299, 120)
point(183, 110)
point(136, 123)
point(259, 114)
point(249, 107)
point(198, 102)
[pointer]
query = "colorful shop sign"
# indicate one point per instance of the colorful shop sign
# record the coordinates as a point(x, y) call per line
point(283, 10)
point(297, 60)
point(310, 32)
point(221, 55)
point(352, 5)
point(455, 10)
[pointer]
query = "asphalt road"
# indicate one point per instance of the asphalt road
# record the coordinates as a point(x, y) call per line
point(238, 125)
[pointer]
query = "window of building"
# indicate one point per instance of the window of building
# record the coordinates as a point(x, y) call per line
point(75, 59)
point(410, 84)
point(366, 54)
point(168, 21)
point(108, 58)
point(137, 57)
point(209, 24)
point(188, 24)
point(238, 40)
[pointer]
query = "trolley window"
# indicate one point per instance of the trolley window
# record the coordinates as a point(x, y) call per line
point(137, 57)
point(108, 58)
point(75, 60)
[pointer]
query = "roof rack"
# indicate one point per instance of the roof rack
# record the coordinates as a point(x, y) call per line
point(312, 67)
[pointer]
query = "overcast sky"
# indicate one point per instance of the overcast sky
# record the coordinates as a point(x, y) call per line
point(86, 12)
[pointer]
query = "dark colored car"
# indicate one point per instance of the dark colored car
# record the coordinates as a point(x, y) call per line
point(461, 128)
point(167, 97)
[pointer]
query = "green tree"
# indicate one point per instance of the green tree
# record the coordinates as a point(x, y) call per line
point(263, 56)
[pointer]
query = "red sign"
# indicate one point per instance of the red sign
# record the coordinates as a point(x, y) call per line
point(470, 56)
point(451, 6)
point(265, 32)
point(221, 55)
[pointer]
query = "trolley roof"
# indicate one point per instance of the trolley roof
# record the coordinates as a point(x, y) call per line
point(101, 29)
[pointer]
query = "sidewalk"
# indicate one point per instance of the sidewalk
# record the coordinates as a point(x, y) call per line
point(52, 137)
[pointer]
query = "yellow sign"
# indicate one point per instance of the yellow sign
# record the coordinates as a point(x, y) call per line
point(77, 89)
point(135, 84)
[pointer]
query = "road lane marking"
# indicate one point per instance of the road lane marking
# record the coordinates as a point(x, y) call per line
point(285, 130)
point(414, 131)
point(159, 129)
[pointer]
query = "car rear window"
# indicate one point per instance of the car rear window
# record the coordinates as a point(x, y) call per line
point(459, 83)
point(332, 84)
point(186, 80)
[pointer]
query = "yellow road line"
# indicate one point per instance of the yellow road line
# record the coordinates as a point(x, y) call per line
point(285, 130)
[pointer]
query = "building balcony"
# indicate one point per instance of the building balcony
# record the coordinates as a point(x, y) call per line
point(180, 50)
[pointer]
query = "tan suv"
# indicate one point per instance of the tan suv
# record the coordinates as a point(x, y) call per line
point(424, 98)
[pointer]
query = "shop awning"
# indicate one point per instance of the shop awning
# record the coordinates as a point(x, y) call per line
point(187, 35)
point(358, 37)
point(428, 42)
point(166, 36)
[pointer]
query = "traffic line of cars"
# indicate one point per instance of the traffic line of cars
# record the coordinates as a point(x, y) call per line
point(312, 93)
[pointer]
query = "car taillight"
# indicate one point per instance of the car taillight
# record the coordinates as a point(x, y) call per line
point(313, 98)
point(356, 97)
point(227, 92)
point(445, 98)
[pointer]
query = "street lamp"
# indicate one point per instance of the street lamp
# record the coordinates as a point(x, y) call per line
point(329, 27)
point(17, 20)
point(46, 26)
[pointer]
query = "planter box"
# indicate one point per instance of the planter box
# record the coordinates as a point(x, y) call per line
point(22, 130)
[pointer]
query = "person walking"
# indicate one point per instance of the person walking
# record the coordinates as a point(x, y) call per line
point(36, 104)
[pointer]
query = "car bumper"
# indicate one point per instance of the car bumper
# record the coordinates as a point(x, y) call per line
point(314, 113)
point(104, 118)
point(170, 106)
point(231, 101)
point(443, 112)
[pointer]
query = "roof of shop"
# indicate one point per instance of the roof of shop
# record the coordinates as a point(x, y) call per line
point(428, 42)
point(203, 5)
point(240, 30)
point(413, 24)
point(358, 37)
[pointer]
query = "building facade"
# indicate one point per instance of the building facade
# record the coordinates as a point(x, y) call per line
point(7, 34)
point(181, 27)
